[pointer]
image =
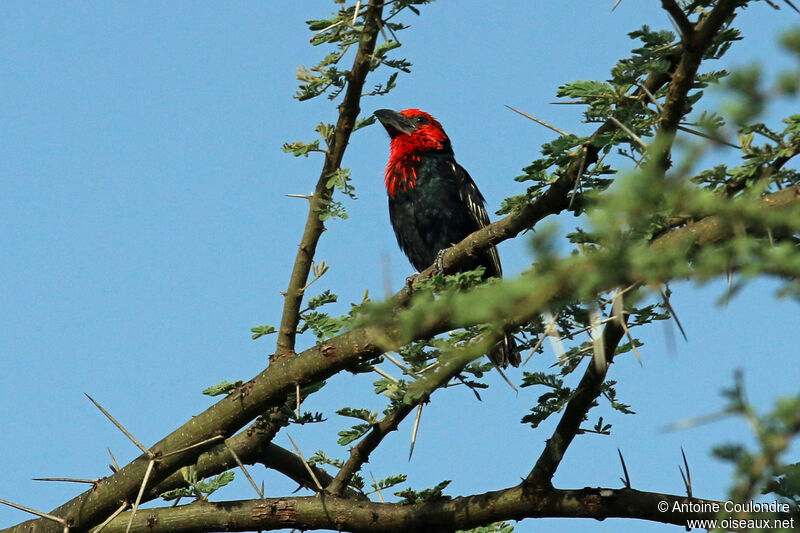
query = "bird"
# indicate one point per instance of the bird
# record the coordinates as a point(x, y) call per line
point(434, 203)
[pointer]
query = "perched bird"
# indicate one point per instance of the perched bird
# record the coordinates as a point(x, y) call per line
point(433, 202)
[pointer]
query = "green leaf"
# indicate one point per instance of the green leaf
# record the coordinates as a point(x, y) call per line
point(356, 432)
point(225, 387)
point(300, 148)
point(389, 482)
point(340, 179)
point(321, 299)
point(362, 414)
point(260, 331)
point(428, 495)
point(540, 378)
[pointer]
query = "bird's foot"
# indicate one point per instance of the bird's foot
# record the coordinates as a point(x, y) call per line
point(410, 282)
point(438, 263)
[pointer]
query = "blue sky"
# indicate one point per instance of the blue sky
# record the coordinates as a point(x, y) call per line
point(145, 230)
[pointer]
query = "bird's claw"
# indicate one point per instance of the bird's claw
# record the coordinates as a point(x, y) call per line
point(438, 263)
point(410, 282)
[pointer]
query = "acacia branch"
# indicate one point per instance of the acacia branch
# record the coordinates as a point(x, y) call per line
point(348, 113)
point(705, 231)
point(764, 173)
point(252, 446)
point(359, 454)
point(711, 229)
point(684, 76)
point(589, 389)
point(552, 202)
point(270, 387)
point(266, 390)
point(338, 514)
point(677, 14)
point(418, 392)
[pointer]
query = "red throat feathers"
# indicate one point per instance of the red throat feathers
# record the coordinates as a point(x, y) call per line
point(405, 149)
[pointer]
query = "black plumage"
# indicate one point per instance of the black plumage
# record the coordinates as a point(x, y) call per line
point(433, 201)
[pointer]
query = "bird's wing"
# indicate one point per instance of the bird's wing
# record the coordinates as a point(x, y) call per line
point(475, 202)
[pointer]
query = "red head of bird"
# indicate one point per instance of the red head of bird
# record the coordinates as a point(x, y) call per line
point(413, 133)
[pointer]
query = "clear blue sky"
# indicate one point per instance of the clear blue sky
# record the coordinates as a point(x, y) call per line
point(145, 230)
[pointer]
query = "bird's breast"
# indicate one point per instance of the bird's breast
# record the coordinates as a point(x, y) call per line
point(401, 174)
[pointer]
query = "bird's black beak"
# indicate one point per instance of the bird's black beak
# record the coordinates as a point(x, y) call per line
point(395, 123)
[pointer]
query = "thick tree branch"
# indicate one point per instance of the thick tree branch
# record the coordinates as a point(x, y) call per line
point(268, 389)
point(684, 76)
point(359, 454)
point(271, 387)
point(553, 201)
point(328, 512)
point(418, 392)
point(348, 112)
point(252, 446)
point(711, 229)
point(683, 23)
point(705, 231)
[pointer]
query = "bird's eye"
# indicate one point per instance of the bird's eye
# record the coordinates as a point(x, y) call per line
point(420, 119)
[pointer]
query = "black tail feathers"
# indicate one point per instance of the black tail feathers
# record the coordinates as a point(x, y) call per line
point(505, 352)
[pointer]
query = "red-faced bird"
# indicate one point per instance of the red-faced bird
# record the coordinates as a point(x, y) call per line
point(433, 202)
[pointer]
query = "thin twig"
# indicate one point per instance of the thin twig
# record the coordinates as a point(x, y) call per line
point(709, 137)
point(384, 374)
point(792, 5)
point(627, 479)
point(318, 270)
point(121, 428)
point(618, 311)
point(34, 511)
point(414, 431)
point(348, 112)
point(401, 366)
point(308, 467)
point(579, 177)
point(677, 14)
point(202, 443)
point(589, 388)
point(545, 333)
point(696, 421)
point(108, 520)
point(687, 477)
point(673, 314)
point(244, 470)
point(630, 132)
point(377, 488)
point(323, 30)
point(67, 479)
point(650, 95)
point(305, 196)
point(555, 338)
point(539, 121)
point(599, 358)
point(135, 507)
point(505, 378)
point(115, 466)
point(297, 395)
